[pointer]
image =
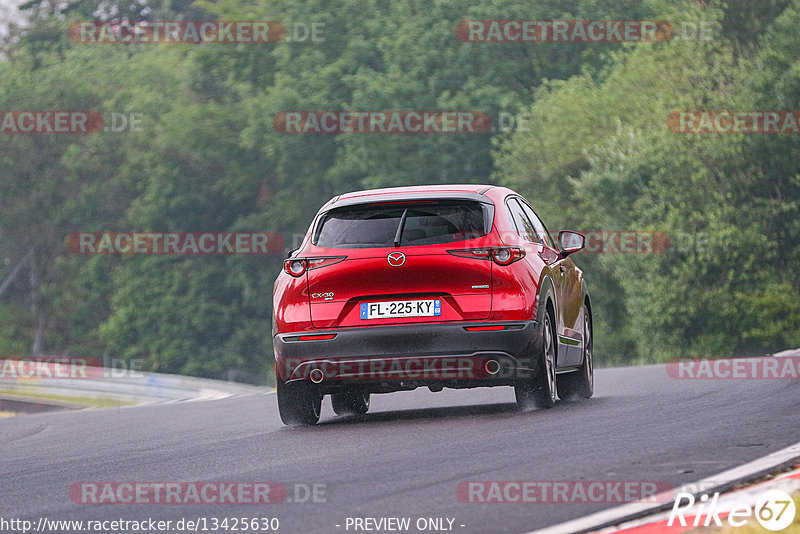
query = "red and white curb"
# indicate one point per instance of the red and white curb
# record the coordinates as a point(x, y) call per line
point(647, 513)
point(646, 516)
point(727, 503)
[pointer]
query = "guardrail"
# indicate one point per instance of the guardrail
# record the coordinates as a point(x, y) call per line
point(138, 387)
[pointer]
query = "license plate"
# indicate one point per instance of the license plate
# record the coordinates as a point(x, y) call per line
point(401, 308)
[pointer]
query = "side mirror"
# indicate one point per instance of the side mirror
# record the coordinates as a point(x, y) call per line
point(570, 242)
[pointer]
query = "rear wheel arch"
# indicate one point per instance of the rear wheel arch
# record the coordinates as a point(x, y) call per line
point(580, 383)
point(588, 303)
point(547, 304)
point(586, 300)
point(546, 297)
point(550, 309)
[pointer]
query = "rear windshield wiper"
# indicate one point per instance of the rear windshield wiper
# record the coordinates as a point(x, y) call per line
point(399, 235)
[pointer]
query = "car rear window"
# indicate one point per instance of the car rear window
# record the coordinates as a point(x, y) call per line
point(426, 223)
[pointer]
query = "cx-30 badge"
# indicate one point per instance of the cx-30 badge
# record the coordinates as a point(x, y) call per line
point(396, 259)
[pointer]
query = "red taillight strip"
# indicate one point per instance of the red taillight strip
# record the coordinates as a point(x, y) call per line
point(324, 261)
point(477, 253)
point(494, 327)
point(316, 337)
point(491, 253)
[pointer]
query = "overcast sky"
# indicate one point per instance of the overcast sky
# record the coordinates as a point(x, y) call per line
point(8, 12)
point(10, 5)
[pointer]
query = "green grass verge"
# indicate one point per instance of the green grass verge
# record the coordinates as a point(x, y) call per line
point(82, 402)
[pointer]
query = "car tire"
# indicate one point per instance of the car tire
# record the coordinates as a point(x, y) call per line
point(580, 384)
point(540, 392)
point(350, 402)
point(299, 404)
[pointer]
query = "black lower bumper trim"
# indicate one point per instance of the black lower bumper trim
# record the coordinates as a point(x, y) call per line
point(427, 354)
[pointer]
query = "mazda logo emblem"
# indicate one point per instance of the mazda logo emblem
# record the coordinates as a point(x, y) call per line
point(396, 259)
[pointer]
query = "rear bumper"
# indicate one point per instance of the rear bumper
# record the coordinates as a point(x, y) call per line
point(408, 356)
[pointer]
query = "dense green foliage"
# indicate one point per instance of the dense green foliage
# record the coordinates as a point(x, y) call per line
point(597, 154)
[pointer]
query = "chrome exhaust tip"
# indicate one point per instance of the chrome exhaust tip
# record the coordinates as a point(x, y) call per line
point(492, 367)
point(316, 376)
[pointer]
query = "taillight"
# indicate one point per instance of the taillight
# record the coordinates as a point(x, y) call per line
point(297, 266)
point(507, 255)
point(500, 255)
point(316, 263)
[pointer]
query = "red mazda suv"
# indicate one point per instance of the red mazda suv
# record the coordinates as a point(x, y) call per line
point(455, 286)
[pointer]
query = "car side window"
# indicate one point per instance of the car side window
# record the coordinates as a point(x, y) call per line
point(525, 229)
point(541, 231)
